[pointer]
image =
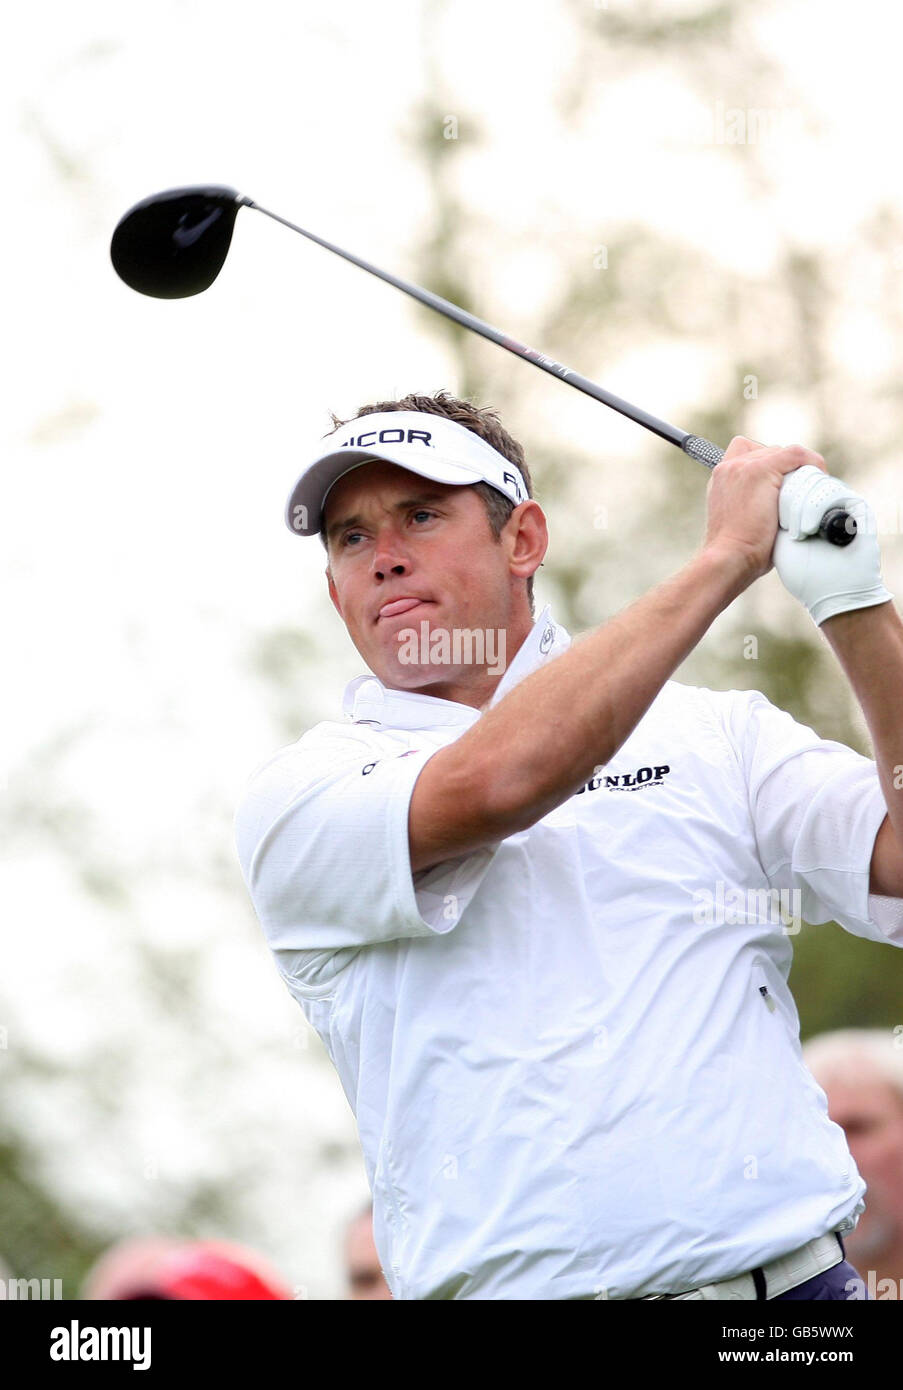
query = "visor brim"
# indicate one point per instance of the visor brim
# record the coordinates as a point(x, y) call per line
point(308, 496)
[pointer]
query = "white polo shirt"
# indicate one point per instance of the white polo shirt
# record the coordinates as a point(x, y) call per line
point(572, 1056)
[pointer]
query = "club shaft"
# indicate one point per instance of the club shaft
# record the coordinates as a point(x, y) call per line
point(702, 450)
point(460, 316)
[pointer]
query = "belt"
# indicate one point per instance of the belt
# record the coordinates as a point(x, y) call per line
point(775, 1278)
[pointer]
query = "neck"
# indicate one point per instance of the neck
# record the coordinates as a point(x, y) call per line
point(881, 1254)
point(889, 1265)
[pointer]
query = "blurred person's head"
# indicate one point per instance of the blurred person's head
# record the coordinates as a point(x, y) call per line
point(363, 1272)
point(160, 1267)
point(861, 1073)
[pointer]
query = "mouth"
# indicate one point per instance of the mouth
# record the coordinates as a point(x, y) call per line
point(399, 606)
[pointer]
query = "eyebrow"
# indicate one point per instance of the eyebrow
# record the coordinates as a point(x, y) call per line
point(337, 526)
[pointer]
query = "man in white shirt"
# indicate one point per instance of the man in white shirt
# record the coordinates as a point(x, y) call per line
point(533, 895)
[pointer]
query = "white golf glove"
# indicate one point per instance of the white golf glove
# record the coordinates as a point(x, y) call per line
point(828, 579)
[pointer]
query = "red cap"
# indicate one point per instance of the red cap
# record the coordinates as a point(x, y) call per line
point(158, 1267)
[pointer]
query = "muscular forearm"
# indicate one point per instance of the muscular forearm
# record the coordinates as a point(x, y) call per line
point(543, 740)
point(868, 643)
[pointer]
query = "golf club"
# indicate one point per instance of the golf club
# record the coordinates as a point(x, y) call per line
point(173, 244)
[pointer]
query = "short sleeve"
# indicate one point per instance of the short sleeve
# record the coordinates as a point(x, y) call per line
point(322, 837)
point(816, 807)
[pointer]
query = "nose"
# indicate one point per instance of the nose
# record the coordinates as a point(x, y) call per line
point(389, 555)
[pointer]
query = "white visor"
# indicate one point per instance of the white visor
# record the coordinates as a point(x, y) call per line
point(427, 444)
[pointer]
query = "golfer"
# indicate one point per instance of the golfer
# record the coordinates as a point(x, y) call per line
point(534, 896)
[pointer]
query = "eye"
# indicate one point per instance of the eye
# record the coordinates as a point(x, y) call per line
point(858, 1125)
point(350, 535)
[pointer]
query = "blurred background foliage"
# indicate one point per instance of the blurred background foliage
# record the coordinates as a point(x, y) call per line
point(625, 511)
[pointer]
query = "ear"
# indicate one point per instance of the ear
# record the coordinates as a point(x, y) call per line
point(527, 533)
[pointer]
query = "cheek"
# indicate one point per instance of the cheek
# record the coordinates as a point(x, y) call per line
point(477, 568)
point(880, 1155)
point(887, 1155)
point(349, 601)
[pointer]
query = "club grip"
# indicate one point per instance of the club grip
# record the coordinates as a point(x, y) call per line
point(837, 526)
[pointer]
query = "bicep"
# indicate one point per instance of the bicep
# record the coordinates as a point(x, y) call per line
point(886, 874)
point(453, 810)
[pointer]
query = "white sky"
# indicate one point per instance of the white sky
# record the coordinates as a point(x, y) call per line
point(148, 446)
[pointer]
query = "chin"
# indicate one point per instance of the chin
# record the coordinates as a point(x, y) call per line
point(414, 677)
point(874, 1234)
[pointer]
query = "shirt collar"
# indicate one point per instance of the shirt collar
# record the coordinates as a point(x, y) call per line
point(368, 701)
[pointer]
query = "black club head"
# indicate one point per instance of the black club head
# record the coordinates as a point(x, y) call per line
point(173, 244)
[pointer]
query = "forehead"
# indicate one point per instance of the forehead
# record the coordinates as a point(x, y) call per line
point(378, 482)
point(861, 1092)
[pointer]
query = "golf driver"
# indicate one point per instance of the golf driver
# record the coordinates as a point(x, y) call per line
point(173, 244)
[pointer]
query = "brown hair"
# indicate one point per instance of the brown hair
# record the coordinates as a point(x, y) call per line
point(482, 421)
